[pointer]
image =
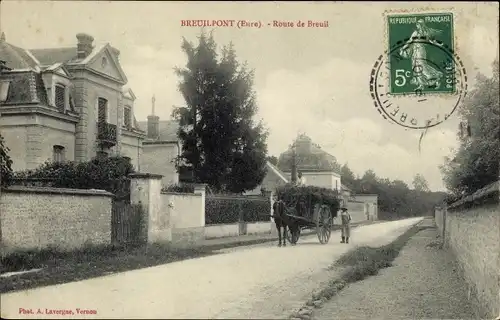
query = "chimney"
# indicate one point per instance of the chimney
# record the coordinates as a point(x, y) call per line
point(84, 46)
point(153, 122)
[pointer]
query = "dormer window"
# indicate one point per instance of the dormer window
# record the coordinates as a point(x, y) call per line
point(60, 97)
point(4, 90)
point(127, 116)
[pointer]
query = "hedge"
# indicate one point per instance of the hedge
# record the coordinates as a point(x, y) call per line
point(227, 209)
point(310, 195)
point(110, 174)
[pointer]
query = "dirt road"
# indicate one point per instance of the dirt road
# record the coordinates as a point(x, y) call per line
point(261, 281)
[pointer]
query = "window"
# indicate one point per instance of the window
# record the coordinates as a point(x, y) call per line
point(58, 153)
point(127, 116)
point(102, 110)
point(4, 90)
point(60, 97)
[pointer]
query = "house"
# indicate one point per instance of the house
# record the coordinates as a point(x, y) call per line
point(272, 180)
point(66, 104)
point(161, 147)
point(321, 169)
point(318, 167)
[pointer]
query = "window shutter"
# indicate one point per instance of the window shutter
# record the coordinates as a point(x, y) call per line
point(60, 97)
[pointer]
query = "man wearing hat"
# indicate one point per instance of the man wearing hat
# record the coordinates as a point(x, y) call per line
point(346, 227)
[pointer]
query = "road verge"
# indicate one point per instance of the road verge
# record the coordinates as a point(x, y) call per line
point(356, 265)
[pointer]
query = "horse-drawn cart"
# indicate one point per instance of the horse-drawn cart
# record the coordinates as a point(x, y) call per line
point(300, 213)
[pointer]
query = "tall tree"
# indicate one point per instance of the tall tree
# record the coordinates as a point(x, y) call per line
point(475, 163)
point(347, 176)
point(221, 141)
point(420, 183)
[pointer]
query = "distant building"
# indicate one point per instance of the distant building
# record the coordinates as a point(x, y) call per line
point(321, 169)
point(161, 147)
point(318, 167)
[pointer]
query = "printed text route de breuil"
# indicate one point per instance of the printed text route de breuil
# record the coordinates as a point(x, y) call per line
point(244, 23)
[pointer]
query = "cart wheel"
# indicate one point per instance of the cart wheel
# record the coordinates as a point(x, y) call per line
point(324, 224)
point(293, 235)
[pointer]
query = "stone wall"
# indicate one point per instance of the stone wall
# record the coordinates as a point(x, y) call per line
point(174, 218)
point(471, 229)
point(187, 214)
point(38, 218)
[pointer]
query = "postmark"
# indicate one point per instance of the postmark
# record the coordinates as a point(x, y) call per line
point(419, 81)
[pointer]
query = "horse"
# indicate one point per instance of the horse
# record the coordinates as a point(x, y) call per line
point(282, 221)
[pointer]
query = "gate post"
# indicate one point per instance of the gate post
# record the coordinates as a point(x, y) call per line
point(145, 189)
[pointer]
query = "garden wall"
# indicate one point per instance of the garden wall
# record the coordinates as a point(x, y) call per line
point(471, 229)
point(38, 218)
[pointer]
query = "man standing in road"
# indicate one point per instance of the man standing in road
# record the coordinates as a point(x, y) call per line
point(346, 225)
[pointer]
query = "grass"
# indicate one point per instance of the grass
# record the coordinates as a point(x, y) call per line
point(60, 267)
point(361, 263)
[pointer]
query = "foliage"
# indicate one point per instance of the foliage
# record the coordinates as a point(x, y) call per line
point(395, 198)
point(231, 209)
point(475, 164)
point(420, 183)
point(225, 147)
point(348, 178)
point(310, 196)
point(273, 160)
point(5, 164)
point(108, 174)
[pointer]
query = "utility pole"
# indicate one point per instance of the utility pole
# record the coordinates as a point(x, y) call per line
point(294, 163)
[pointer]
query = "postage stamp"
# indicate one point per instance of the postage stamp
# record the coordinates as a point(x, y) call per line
point(416, 65)
point(420, 80)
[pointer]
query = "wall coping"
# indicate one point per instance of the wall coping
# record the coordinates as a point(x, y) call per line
point(60, 191)
point(181, 194)
point(479, 194)
point(141, 175)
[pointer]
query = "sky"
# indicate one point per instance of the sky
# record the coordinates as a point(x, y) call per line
point(308, 80)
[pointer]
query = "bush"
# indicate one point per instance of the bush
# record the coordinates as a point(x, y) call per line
point(110, 174)
point(229, 209)
point(310, 196)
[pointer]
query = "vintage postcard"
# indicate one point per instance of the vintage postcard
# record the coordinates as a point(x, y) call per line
point(249, 160)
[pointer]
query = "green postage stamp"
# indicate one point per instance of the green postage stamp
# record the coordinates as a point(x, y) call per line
point(420, 50)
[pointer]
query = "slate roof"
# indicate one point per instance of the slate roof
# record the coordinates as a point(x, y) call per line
point(15, 57)
point(167, 129)
point(50, 56)
point(310, 157)
point(277, 171)
point(25, 87)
